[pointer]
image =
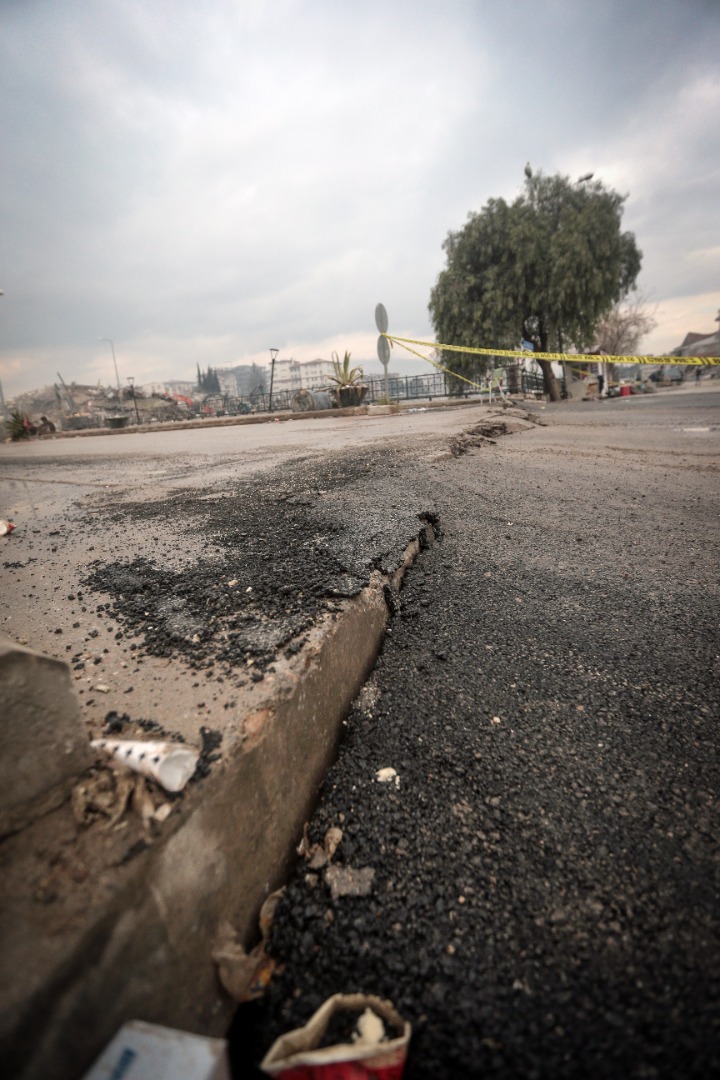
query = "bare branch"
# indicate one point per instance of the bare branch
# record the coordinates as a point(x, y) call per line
point(621, 330)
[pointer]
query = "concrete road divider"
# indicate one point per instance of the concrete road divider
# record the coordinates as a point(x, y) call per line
point(43, 743)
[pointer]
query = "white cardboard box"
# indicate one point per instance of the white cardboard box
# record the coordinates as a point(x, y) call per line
point(143, 1051)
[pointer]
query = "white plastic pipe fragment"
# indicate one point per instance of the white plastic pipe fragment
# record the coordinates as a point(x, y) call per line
point(170, 764)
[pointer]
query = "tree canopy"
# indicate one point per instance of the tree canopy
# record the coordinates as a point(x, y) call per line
point(208, 380)
point(546, 267)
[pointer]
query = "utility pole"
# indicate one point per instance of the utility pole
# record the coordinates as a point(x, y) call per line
point(273, 357)
point(6, 416)
point(112, 346)
point(131, 380)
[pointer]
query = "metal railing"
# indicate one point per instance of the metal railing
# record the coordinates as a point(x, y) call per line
point(435, 384)
point(408, 387)
point(402, 388)
point(532, 382)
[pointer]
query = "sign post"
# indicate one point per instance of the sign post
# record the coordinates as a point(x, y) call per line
point(383, 345)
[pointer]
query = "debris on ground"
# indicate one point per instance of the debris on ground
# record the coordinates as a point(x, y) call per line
point(488, 431)
point(246, 975)
point(167, 763)
point(384, 776)
point(332, 840)
point(240, 631)
point(319, 855)
point(462, 444)
point(115, 723)
point(101, 794)
point(150, 1050)
point(346, 881)
point(110, 793)
point(143, 805)
point(6, 527)
point(209, 752)
point(350, 1036)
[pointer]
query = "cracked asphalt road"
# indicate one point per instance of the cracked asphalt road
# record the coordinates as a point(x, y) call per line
point(545, 895)
point(544, 901)
point(160, 564)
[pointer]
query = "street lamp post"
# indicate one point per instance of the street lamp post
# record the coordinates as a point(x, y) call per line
point(112, 346)
point(131, 380)
point(273, 357)
point(6, 417)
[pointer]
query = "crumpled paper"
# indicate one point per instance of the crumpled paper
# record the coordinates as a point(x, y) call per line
point(245, 975)
point(378, 1049)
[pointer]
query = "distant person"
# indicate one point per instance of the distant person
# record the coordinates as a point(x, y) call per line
point(601, 384)
point(46, 427)
point(698, 374)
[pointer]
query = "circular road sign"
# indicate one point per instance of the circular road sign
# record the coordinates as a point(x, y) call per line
point(383, 348)
point(381, 319)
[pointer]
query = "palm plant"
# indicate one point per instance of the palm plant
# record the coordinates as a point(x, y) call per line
point(344, 374)
point(349, 388)
point(18, 426)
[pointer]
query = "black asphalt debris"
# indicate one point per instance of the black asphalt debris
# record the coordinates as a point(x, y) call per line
point(544, 900)
point(126, 725)
point(209, 752)
point(275, 557)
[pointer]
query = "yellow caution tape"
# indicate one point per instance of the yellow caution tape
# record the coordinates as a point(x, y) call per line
point(431, 361)
point(568, 358)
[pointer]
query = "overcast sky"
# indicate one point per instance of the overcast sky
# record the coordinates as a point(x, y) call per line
point(202, 181)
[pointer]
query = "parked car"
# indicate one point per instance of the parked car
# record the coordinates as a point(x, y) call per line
point(668, 373)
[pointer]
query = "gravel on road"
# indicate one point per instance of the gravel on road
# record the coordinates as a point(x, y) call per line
point(544, 897)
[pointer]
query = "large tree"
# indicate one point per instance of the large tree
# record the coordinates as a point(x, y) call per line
point(546, 267)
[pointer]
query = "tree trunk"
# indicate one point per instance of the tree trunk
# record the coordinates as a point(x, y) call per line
point(552, 386)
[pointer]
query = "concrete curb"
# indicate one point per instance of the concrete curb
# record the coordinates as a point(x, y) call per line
point(265, 418)
point(145, 950)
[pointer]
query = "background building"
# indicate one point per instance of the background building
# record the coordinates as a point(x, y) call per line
point(698, 345)
point(302, 375)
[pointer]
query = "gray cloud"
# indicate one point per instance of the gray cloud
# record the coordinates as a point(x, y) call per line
point(201, 181)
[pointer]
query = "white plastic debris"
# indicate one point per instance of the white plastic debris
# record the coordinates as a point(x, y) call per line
point(170, 764)
point(384, 776)
point(143, 1051)
point(6, 527)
